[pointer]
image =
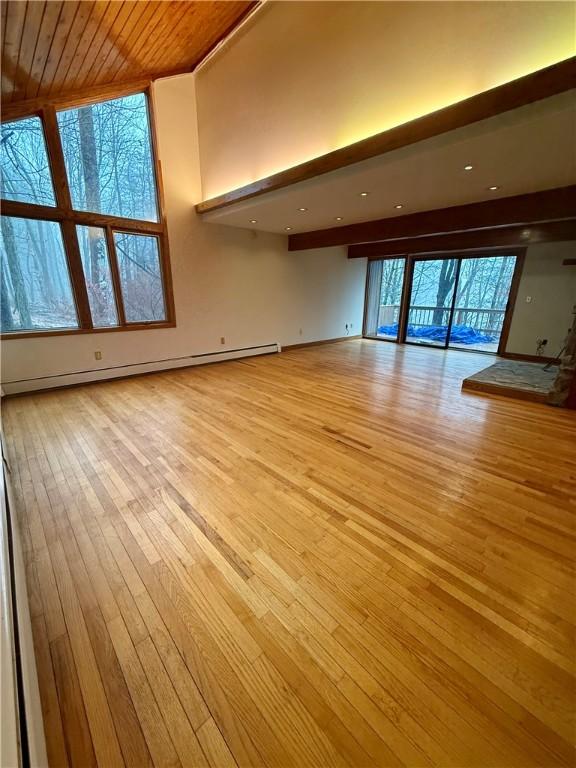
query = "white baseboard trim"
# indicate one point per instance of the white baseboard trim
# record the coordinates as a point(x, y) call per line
point(103, 374)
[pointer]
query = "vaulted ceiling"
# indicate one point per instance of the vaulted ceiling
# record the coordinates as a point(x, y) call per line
point(57, 48)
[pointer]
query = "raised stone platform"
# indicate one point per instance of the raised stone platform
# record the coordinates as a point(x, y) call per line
point(513, 378)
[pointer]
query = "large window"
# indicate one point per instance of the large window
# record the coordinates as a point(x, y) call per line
point(83, 244)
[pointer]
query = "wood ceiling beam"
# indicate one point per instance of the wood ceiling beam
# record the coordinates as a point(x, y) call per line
point(507, 237)
point(548, 205)
point(517, 93)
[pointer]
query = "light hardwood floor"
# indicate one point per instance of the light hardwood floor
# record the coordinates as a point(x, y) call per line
point(327, 557)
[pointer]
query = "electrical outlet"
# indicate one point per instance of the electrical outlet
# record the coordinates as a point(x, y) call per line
point(98, 355)
point(222, 340)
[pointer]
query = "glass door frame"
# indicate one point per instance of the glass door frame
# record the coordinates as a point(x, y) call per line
point(412, 258)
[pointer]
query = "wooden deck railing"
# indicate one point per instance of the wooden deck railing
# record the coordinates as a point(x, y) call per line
point(488, 321)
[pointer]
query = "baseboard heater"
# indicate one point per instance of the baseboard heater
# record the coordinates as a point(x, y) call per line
point(133, 369)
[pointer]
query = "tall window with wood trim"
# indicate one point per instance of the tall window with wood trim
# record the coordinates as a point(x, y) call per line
point(83, 235)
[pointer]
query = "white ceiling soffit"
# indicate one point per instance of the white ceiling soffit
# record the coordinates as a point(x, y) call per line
point(525, 150)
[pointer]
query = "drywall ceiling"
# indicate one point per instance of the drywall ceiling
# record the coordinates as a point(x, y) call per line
point(524, 150)
point(55, 48)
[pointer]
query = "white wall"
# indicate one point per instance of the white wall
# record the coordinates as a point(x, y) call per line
point(552, 290)
point(304, 78)
point(234, 283)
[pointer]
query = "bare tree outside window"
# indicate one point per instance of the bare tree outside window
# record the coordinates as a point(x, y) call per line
point(36, 289)
point(24, 163)
point(140, 277)
point(96, 266)
point(390, 297)
point(109, 158)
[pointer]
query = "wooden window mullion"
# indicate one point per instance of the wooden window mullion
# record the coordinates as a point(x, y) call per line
point(76, 270)
point(405, 300)
point(64, 204)
point(56, 158)
point(165, 274)
point(115, 272)
point(159, 186)
point(34, 211)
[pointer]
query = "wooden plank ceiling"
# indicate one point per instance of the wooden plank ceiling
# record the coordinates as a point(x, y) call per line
point(58, 48)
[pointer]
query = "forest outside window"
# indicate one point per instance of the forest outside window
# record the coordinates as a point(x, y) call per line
point(108, 158)
point(36, 288)
point(83, 241)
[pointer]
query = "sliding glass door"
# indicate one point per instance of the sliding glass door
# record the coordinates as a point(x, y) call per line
point(481, 300)
point(384, 297)
point(458, 301)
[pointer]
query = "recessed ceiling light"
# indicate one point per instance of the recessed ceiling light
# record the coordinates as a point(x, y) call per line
point(363, 194)
point(399, 206)
point(302, 209)
point(468, 167)
point(287, 229)
point(526, 233)
point(338, 218)
point(493, 188)
point(253, 221)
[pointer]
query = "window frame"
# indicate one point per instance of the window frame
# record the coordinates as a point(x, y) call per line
point(68, 218)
